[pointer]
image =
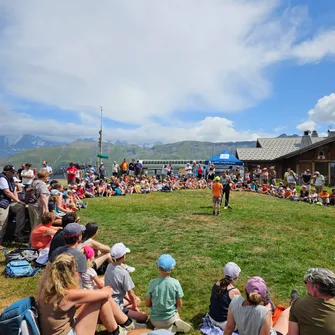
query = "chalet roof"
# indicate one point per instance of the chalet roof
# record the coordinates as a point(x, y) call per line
point(325, 140)
point(269, 149)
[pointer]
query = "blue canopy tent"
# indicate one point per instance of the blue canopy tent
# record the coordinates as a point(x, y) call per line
point(224, 160)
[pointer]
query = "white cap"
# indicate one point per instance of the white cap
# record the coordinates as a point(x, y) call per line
point(118, 250)
point(231, 270)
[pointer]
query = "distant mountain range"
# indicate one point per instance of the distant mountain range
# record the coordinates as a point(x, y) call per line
point(84, 152)
point(35, 149)
point(10, 145)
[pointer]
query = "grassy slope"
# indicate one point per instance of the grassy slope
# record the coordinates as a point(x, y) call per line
point(274, 238)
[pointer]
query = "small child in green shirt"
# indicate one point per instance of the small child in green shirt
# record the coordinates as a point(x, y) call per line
point(164, 297)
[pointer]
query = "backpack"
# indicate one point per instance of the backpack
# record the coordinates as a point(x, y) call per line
point(20, 268)
point(20, 318)
point(30, 195)
point(28, 254)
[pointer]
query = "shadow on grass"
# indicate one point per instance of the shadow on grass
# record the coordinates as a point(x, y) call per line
point(197, 320)
point(205, 206)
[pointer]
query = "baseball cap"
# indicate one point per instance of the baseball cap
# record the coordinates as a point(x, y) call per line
point(118, 250)
point(9, 168)
point(55, 192)
point(166, 262)
point(73, 229)
point(217, 178)
point(256, 285)
point(231, 270)
point(89, 252)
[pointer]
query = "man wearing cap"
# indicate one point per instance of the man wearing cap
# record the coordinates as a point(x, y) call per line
point(9, 201)
point(27, 175)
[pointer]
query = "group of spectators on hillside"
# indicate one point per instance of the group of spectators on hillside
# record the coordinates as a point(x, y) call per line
point(311, 190)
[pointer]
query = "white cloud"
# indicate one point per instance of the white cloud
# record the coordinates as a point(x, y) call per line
point(214, 129)
point(324, 110)
point(322, 113)
point(313, 50)
point(307, 125)
point(144, 59)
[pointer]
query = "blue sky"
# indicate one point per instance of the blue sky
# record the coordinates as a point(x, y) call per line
point(221, 70)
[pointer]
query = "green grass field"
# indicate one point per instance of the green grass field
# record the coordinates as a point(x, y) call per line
point(273, 238)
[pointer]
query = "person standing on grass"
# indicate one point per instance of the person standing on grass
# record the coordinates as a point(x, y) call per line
point(319, 181)
point(9, 201)
point(225, 181)
point(216, 195)
point(164, 297)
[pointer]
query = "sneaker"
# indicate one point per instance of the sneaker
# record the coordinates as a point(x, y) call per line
point(130, 327)
point(294, 296)
point(229, 207)
point(138, 325)
point(213, 213)
point(218, 213)
point(225, 207)
point(182, 326)
point(130, 269)
point(123, 331)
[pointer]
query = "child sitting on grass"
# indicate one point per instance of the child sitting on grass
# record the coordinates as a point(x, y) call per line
point(90, 279)
point(164, 297)
point(119, 278)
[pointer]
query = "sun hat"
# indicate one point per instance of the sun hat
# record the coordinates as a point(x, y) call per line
point(55, 192)
point(118, 250)
point(231, 270)
point(89, 252)
point(166, 262)
point(73, 229)
point(217, 178)
point(16, 180)
point(256, 285)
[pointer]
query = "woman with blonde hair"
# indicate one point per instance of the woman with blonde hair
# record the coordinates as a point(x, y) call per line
point(58, 303)
point(250, 316)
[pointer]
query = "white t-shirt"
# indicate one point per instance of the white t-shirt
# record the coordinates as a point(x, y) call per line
point(87, 279)
point(319, 180)
point(29, 176)
point(3, 184)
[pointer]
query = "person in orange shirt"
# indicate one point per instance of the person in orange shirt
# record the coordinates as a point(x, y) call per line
point(42, 235)
point(216, 193)
point(124, 167)
point(324, 197)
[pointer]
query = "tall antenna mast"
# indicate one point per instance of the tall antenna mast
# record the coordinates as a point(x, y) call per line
point(100, 133)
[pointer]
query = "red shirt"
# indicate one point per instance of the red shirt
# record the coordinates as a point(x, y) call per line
point(71, 172)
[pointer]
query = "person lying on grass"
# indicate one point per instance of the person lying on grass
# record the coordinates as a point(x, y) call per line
point(223, 291)
point(119, 278)
point(164, 297)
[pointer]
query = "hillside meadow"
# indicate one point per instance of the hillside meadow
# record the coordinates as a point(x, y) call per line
point(273, 238)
